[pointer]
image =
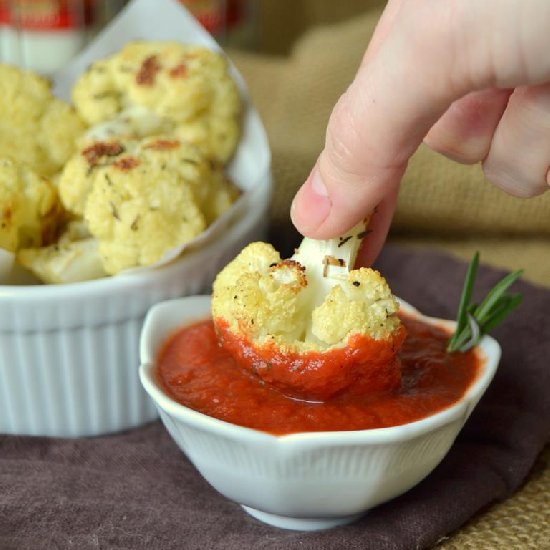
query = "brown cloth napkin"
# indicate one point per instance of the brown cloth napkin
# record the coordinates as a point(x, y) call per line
point(137, 490)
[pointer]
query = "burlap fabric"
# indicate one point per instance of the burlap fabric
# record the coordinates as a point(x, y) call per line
point(307, 61)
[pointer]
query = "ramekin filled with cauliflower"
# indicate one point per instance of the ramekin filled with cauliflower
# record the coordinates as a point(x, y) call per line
point(123, 198)
point(139, 162)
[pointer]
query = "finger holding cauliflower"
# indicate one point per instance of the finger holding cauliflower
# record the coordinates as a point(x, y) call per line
point(311, 325)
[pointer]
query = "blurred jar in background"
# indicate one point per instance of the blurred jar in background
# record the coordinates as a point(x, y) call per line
point(43, 35)
point(231, 22)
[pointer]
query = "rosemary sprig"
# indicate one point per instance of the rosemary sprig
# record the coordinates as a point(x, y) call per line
point(473, 320)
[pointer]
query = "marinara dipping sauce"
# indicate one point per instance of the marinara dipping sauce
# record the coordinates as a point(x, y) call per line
point(196, 372)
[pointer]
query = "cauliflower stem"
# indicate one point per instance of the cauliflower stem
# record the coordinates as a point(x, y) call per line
point(327, 263)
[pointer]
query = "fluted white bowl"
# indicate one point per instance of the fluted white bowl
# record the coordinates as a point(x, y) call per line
point(304, 481)
point(69, 353)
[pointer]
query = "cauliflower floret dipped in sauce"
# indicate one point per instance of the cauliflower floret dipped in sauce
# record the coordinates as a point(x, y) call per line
point(30, 209)
point(154, 87)
point(310, 326)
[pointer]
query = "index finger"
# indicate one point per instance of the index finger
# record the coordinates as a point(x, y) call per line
point(433, 53)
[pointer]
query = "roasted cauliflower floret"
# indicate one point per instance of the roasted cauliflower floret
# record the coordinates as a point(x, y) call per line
point(212, 191)
point(83, 170)
point(30, 210)
point(139, 211)
point(360, 304)
point(292, 303)
point(310, 325)
point(187, 89)
point(73, 258)
point(35, 127)
point(258, 294)
point(160, 153)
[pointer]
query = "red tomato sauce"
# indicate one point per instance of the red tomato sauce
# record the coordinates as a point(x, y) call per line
point(198, 373)
point(363, 365)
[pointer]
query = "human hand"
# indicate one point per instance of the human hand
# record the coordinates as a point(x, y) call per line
point(471, 78)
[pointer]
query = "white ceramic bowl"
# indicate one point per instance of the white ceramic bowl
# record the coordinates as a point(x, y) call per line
point(69, 353)
point(304, 481)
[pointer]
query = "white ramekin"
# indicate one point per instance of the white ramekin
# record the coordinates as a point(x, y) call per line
point(304, 481)
point(69, 353)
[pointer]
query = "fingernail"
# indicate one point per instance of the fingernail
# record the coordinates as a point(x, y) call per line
point(317, 185)
point(312, 204)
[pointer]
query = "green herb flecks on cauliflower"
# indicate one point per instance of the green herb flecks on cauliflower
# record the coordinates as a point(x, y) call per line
point(139, 214)
point(314, 301)
point(141, 198)
point(157, 155)
point(188, 89)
